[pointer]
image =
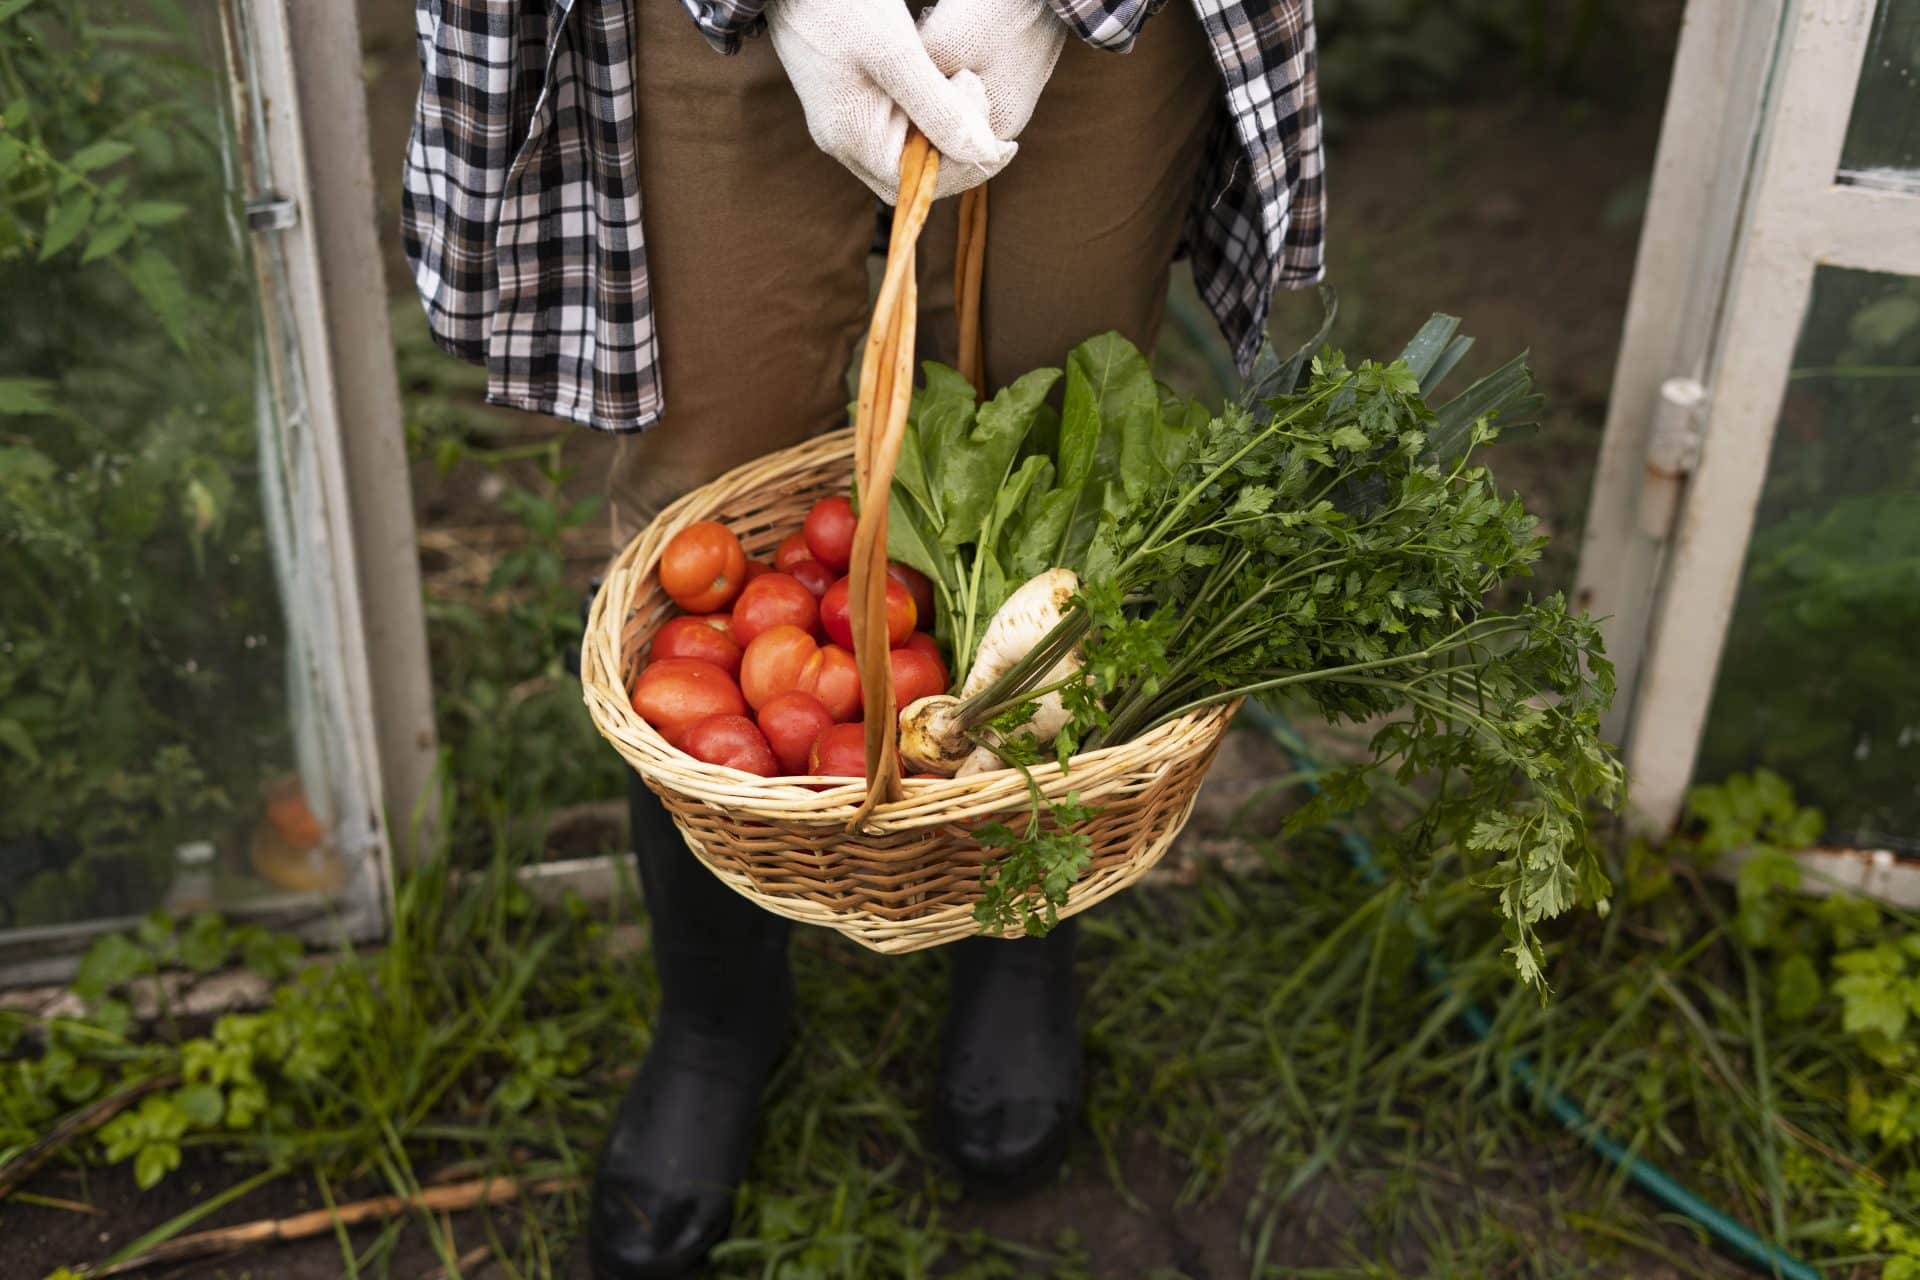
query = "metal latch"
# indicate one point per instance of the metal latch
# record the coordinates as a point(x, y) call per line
point(1673, 450)
point(272, 212)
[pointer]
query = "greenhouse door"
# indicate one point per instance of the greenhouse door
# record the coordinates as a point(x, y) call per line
point(1755, 525)
point(187, 700)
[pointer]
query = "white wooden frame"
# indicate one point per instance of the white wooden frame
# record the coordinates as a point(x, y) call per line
point(1721, 288)
point(341, 466)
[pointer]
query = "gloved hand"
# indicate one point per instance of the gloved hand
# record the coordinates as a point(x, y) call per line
point(1010, 44)
point(862, 75)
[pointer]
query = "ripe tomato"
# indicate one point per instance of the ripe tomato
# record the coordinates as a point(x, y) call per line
point(775, 600)
point(834, 618)
point(733, 741)
point(773, 662)
point(921, 642)
point(757, 569)
point(703, 567)
point(839, 752)
point(709, 638)
point(831, 676)
point(674, 694)
point(837, 617)
point(792, 547)
point(919, 586)
point(915, 676)
point(829, 532)
point(792, 722)
point(812, 575)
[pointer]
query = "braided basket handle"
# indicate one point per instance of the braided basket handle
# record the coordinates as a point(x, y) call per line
point(879, 427)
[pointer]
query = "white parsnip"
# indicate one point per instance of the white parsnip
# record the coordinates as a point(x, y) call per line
point(931, 739)
point(931, 736)
point(1020, 624)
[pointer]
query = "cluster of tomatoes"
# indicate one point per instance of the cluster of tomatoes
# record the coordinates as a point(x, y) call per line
point(759, 674)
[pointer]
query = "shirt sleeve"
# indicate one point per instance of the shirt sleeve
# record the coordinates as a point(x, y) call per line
point(726, 22)
point(1112, 25)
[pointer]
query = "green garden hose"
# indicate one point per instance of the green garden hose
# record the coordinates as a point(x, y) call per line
point(1648, 1176)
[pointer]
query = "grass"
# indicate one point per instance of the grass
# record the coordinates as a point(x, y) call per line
point(1264, 1055)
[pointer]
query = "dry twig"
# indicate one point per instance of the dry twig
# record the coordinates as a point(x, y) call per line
point(449, 1199)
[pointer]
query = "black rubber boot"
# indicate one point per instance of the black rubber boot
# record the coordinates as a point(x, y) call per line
point(663, 1194)
point(1010, 1079)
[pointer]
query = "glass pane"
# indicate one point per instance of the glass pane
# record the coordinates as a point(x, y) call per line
point(1883, 139)
point(157, 722)
point(1820, 678)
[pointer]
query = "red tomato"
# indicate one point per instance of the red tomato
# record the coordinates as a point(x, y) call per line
point(757, 569)
point(703, 567)
point(901, 614)
point(919, 586)
point(793, 722)
point(775, 600)
point(733, 741)
point(831, 676)
point(792, 547)
point(773, 662)
point(837, 617)
point(812, 575)
point(839, 752)
point(829, 532)
point(710, 639)
point(921, 642)
point(674, 694)
point(915, 676)
point(834, 618)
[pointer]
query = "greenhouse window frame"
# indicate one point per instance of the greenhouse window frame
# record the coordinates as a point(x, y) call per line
point(294, 73)
point(1749, 199)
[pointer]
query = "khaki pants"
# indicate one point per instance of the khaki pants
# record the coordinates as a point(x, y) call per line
point(757, 242)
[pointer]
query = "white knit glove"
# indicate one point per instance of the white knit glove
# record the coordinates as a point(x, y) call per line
point(862, 75)
point(1010, 44)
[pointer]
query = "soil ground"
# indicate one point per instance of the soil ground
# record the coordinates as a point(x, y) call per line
point(1517, 215)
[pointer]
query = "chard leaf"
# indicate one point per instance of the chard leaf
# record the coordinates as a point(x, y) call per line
point(910, 472)
point(911, 541)
point(1034, 476)
point(973, 469)
point(942, 415)
point(993, 593)
point(1043, 437)
point(1031, 541)
point(1120, 400)
point(1179, 425)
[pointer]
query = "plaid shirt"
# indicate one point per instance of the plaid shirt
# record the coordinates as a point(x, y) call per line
point(522, 209)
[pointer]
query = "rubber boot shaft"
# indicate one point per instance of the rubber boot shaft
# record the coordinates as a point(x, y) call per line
point(1010, 1077)
point(663, 1194)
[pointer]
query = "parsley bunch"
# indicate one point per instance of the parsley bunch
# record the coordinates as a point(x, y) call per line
point(1334, 543)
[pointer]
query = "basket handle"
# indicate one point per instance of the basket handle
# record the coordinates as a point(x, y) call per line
point(879, 427)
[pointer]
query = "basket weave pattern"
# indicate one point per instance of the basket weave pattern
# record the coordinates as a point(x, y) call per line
point(892, 864)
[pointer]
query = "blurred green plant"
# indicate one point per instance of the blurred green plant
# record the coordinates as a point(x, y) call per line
point(1831, 589)
point(141, 684)
point(1378, 53)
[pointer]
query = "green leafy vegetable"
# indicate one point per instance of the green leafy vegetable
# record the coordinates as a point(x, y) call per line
point(1331, 542)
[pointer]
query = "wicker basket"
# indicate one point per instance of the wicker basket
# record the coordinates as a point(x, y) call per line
point(890, 863)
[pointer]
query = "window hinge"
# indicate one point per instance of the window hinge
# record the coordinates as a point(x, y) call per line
point(1673, 450)
point(272, 212)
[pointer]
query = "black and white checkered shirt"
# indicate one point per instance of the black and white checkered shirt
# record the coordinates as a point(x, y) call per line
point(522, 203)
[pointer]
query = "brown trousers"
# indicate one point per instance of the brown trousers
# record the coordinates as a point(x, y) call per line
point(757, 242)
